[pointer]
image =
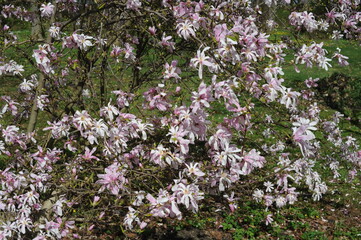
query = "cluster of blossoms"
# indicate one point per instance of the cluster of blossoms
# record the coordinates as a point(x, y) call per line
point(80, 41)
point(43, 57)
point(313, 54)
point(127, 51)
point(305, 19)
point(161, 150)
point(9, 11)
point(11, 68)
point(342, 13)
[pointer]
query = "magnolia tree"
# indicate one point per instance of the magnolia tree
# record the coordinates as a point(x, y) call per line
point(130, 112)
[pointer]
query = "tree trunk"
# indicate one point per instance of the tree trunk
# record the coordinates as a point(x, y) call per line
point(41, 82)
point(36, 32)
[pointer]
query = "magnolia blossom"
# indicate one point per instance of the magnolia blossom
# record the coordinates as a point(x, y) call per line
point(128, 52)
point(100, 128)
point(185, 29)
point(258, 195)
point(26, 85)
point(305, 19)
point(164, 205)
point(41, 102)
point(188, 195)
point(167, 43)
point(172, 71)
point(23, 224)
point(302, 133)
point(269, 186)
point(224, 180)
point(132, 217)
point(143, 128)
point(180, 148)
point(11, 68)
point(109, 111)
point(252, 160)
point(280, 201)
point(229, 155)
point(113, 179)
point(42, 57)
point(82, 120)
point(134, 4)
point(232, 201)
point(152, 30)
point(217, 12)
point(289, 98)
point(83, 41)
point(47, 10)
point(269, 219)
point(201, 98)
point(193, 169)
point(342, 60)
point(200, 60)
point(54, 31)
point(176, 136)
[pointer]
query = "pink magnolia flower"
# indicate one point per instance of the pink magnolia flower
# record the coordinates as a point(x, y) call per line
point(157, 98)
point(269, 186)
point(258, 195)
point(165, 205)
point(42, 58)
point(228, 51)
point(224, 179)
point(152, 30)
point(232, 201)
point(113, 179)
point(88, 155)
point(167, 43)
point(109, 111)
point(342, 60)
point(217, 12)
point(100, 128)
point(143, 128)
point(289, 98)
point(229, 155)
point(82, 41)
point(47, 10)
point(23, 224)
point(177, 135)
point(252, 160)
point(82, 120)
point(269, 219)
point(10, 133)
point(220, 32)
point(200, 60)
point(310, 82)
point(185, 29)
point(130, 218)
point(172, 71)
point(26, 85)
point(189, 195)
point(307, 125)
point(280, 201)
point(54, 31)
point(193, 169)
point(134, 4)
point(128, 52)
point(41, 102)
point(201, 98)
